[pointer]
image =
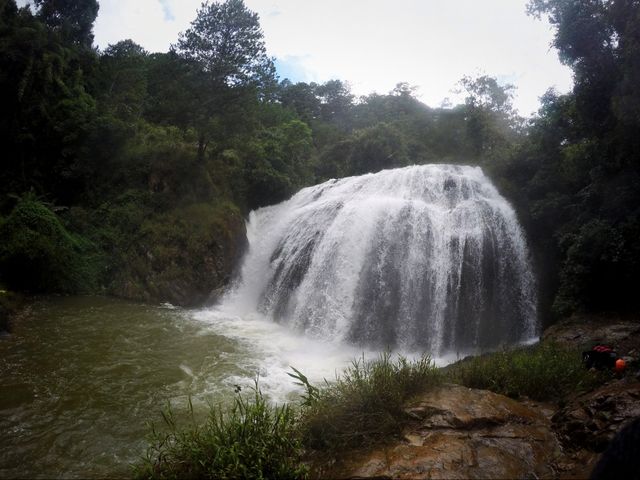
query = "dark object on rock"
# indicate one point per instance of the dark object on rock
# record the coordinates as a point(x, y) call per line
point(600, 356)
point(622, 458)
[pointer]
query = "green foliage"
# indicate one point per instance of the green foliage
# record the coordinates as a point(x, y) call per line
point(179, 255)
point(575, 177)
point(226, 56)
point(134, 138)
point(280, 163)
point(312, 392)
point(73, 19)
point(252, 440)
point(365, 404)
point(38, 253)
point(123, 79)
point(600, 268)
point(377, 148)
point(542, 372)
point(301, 98)
point(46, 108)
point(226, 42)
point(266, 186)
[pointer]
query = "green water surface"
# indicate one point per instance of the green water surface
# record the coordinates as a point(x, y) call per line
point(81, 377)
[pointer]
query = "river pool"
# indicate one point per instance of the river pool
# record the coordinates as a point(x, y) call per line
point(82, 377)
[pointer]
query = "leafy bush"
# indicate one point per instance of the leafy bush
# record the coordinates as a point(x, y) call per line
point(365, 404)
point(541, 372)
point(251, 440)
point(600, 270)
point(38, 253)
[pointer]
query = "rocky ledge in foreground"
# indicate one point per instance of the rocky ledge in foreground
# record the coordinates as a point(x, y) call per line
point(591, 420)
point(460, 432)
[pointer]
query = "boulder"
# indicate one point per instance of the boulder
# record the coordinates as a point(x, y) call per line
point(623, 333)
point(458, 432)
point(591, 420)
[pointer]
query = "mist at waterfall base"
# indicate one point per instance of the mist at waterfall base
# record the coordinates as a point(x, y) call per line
point(425, 258)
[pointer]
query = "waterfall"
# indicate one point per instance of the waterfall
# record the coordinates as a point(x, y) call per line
point(425, 257)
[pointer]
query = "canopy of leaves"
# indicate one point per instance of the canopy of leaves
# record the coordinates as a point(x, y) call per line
point(226, 42)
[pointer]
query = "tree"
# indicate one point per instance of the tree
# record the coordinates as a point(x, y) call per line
point(226, 42)
point(72, 18)
point(301, 97)
point(590, 37)
point(123, 76)
point(577, 174)
point(491, 119)
point(225, 48)
point(336, 101)
point(485, 92)
point(46, 109)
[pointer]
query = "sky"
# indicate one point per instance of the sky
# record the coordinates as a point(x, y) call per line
point(375, 44)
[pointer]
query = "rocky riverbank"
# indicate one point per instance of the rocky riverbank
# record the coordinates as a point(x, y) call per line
point(459, 432)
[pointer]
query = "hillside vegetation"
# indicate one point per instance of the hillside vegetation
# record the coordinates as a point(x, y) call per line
point(128, 172)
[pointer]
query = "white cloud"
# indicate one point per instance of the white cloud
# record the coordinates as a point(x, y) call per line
point(374, 44)
point(154, 24)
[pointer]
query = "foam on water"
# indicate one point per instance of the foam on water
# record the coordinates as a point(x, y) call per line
point(274, 349)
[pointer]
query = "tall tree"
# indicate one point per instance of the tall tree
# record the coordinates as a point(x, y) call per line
point(72, 18)
point(123, 79)
point(580, 166)
point(45, 107)
point(491, 120)
point(225, 48)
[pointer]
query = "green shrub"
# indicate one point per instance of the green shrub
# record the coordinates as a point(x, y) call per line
point(365, 404)
point(252, 440)
point(37, 253)
point(541, 372)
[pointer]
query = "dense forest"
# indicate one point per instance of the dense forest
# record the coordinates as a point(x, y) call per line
point(129, 173)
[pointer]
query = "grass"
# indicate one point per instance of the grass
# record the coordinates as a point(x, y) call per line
point(365, 404)
point(363, 407)
point(252, 440)
point(255, 440)
point(541, 372)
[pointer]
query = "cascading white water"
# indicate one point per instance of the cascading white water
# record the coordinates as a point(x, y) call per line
point(425, 257)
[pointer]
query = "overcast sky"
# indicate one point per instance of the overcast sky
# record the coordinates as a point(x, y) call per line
point(374, 44)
